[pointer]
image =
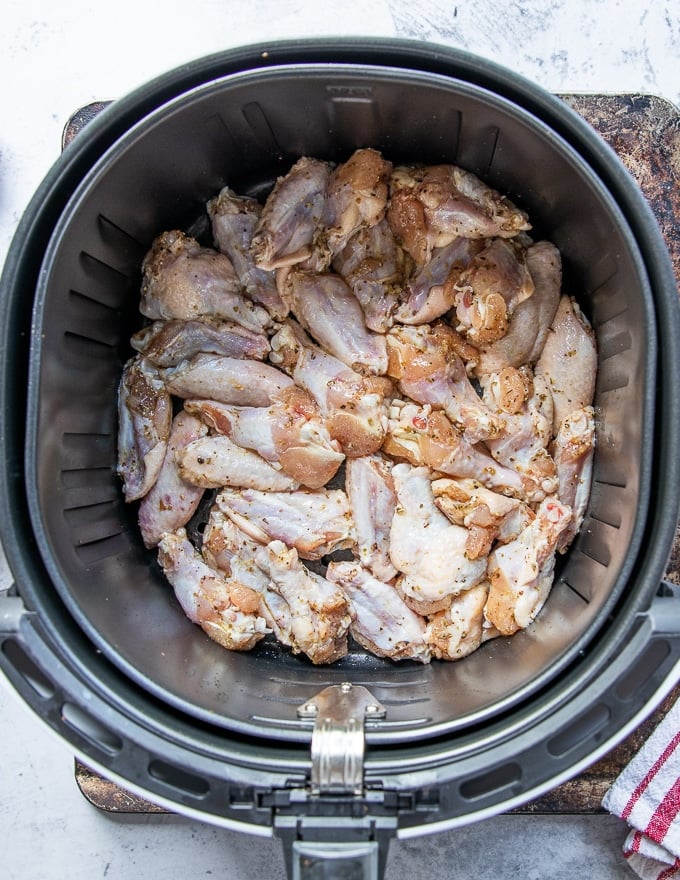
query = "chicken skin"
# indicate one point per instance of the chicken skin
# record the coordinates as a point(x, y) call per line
point(573, 449)
point(356, 197)
point(568, 362)
point(318, 611)
point(381, 621)
point(144, 421)
point(226, 610)
point(521, 571)
point(424, 361)
point(529, 324)
point(426, 548)
point(327, 309)
point(227, 380)
point(352, 406)
point(489, 289)
point(172, 501)
point(234, 219)
point(216, 461)
point(432, 205)
point(168, 343)
point(289, 227)
point(459, 630)
point(373, 265)
point(315, 523)
point(290, 432)
point(183, 280)
point(372, 498)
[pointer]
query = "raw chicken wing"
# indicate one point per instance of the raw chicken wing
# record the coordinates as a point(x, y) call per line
point(217, 461)
point(372, 498)
point(521, 572)
point(432, 291)
point(531, 320)
point(227, 380)
point(351, 405)
point(372, 264)
point(573, 450)
point(226, 610)
point(486, 515)
point(356, 196)
point(289, 227)
point(328, 310)
point(424, 361)
point(316, 523)
point(488, 291)
point(172, 501)
point(568, 362)
point(167, 343)
point(432, 205)
point(144, 420)
point(289, 432)
point(183, 280)
point(319, 614)
point(459, 629)
point(426, 547)
point(233, 220)
point(423, 436)
point(524, 443)
point(381, 621)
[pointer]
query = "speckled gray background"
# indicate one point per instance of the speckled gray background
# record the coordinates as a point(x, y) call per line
point(56, 57)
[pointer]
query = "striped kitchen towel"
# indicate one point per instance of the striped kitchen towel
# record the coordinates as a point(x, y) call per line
point(646, 794)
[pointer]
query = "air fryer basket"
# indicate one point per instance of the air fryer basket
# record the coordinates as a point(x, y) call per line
point(151, 698)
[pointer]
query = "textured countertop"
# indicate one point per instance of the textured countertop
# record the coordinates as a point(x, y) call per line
point(56, 57)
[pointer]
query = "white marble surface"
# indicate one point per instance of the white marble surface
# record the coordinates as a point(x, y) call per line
point(55, 57)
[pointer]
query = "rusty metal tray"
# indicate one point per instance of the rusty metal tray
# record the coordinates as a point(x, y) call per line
point(644, 130)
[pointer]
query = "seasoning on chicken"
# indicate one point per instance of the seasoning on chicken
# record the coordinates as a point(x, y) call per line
point(374, 267)
point(489, 289)
point(319, 614)
point(372, 498)
point(381, 621)
point(573, 449)
point(523, 446)
point(183, 280)
point(356, 196)
point(290, 225)
point(423, 436)
point(394, 321)
point(168, 343)
point(432, 291)
point(144, 420)
point(431, 205)
point(290, 432)
point(327, 309)
point(424, 361)
point(568, 362)
point(172, 501)
point(426, 547)
point(351, 405)
point(459, 630)
point(531, 320)
point(521, 572)
point(226, 610)
point(234, 219)
point(215, 461)
point(232, 380)
point(316, 523)
point(488, 516)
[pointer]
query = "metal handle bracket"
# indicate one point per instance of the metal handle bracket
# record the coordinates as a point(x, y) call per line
point(339, 713)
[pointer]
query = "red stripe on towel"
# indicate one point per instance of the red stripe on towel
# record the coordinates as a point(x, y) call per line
point(650, 774)
point(664, 814)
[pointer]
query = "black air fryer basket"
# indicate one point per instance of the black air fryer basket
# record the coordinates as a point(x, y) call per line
point(92, 636)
